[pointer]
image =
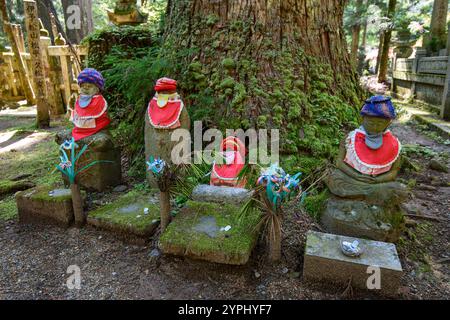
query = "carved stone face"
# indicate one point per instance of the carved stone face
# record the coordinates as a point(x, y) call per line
point(375, 125)
point(89, 89)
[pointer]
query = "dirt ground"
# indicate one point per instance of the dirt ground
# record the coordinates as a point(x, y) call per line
point(34, 260)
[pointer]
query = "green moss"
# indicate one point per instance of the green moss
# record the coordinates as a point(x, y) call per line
point(315, 204)
point(133, 204)
point(228, 63)
point(6, 186)
point(234, 245)
point(8, 209)
point(227, 83)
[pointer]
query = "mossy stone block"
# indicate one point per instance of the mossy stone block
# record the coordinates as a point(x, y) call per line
point(201, 231)
point(46, 205)
point(132, 215)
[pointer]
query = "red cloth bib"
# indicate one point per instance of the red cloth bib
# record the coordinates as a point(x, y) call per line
point(96, 112)
point(227, 174)
point(385, 155)
point(167, 117)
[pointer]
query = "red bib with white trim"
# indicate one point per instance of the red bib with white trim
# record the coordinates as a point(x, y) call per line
point(227, 174)
point(165, 114)
point(91, 119)
point(371, 161)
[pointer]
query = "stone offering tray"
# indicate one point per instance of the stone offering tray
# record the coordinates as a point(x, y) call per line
point(325, 262)
point(46, 204)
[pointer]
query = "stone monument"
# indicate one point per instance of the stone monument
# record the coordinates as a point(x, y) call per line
point(91, 121)
point(126, 12)
point(366, 198)
point(165, 113)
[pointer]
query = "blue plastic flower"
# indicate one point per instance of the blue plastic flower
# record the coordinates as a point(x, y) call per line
point(279, 185)
point(156, 165)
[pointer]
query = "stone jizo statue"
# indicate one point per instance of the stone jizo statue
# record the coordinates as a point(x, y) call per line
point(363, 181)
point(91, 122)
point(227, 173)
point(166, 112)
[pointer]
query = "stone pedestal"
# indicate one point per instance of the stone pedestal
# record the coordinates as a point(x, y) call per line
point(158, 142)
point(101, 148)
point(366, 210)
point(133, 216)
point(324, 262)
point(44, 205)
point(360, 219)
point(211, 232)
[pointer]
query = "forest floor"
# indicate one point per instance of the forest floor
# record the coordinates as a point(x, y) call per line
point(34, 260)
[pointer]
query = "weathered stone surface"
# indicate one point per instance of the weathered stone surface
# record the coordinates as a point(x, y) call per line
point(360, 219)
point(45, 205)
point(324, 262)
point(199, 231)
point(158, 142)
point(101, 148)
point(132, 216)
point(208, 193)
point(388, 193)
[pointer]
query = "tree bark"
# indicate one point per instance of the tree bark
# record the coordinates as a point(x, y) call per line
point(76, 32)
point(252, 60)
point(44, 15)
point(356, 30)
point(77, 203)
point(380, 47)
point(384, 58)
point(438, 27)
point(24, 81)
point(165, 209)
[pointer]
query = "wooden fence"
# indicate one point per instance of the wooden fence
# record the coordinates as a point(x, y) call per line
point(60, 71)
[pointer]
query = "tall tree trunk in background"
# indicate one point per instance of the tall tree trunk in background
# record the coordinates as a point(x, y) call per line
point(356, 30)
point(44, 15)
point(437, 38)
point(77, 27)
point(88, 16)
point(24, 81)
point(265, 64)
point(380, 47)
point(384, 58)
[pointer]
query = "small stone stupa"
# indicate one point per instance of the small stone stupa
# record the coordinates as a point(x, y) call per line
point(126, 12)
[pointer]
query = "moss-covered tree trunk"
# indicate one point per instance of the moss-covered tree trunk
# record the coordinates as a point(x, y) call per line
point(266, 64)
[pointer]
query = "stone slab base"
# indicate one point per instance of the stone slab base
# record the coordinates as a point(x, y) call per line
point(208, 193)
point(201, 230)
point(127, 217)
point(324, 262)
point(38, 206)
point(358, 219)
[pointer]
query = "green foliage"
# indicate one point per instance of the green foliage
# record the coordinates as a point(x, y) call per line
point(315, 204)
